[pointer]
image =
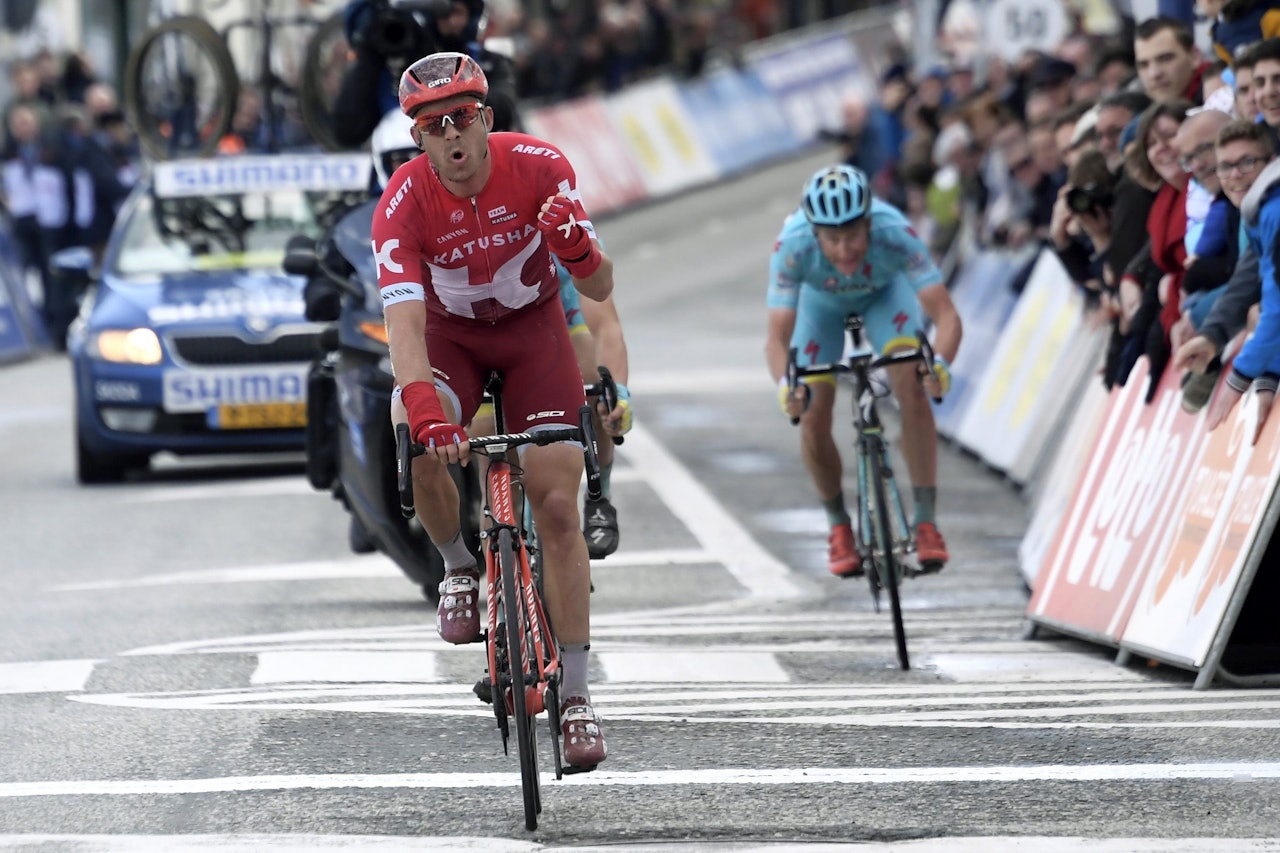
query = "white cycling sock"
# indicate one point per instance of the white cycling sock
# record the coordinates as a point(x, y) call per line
point(456, 553)
point(573, 662)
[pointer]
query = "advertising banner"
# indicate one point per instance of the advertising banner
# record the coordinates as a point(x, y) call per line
point(1066, 466)
point(1122, 515)
point(983, 297)
point(653, 123)
point(810, 78)
point(738, 121)
point(607, 177)
point(1183, 603)
point(998, 423)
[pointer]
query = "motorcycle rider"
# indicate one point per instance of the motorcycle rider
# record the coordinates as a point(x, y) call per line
point(387, 35)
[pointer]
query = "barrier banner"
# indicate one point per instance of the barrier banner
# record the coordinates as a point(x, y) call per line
point(582, 130)
point(984, 300)
point(657, 129)
point(809, 78)
point(738, 121)
point(1062, 476)
point(1123, 511)
point(1083, 354)
point(1183, 604)
point(997, 425)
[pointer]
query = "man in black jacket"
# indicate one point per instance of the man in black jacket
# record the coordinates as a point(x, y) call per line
point(387, 36)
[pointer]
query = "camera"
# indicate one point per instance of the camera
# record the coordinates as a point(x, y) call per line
point(398, 27)
point(1088, 198)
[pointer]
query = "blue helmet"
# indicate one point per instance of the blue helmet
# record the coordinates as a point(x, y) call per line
point(837, 195)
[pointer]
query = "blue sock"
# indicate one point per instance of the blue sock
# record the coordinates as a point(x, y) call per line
point(836, 513)
point(926, 498)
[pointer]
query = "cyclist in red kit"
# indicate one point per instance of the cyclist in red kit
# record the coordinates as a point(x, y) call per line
point(463, 241)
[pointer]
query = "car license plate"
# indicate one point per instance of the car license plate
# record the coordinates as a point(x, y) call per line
point(259, 416)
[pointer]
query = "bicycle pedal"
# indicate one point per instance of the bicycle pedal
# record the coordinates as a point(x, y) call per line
point(484, 691)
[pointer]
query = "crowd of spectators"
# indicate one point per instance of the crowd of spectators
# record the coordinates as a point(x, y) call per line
point(69, 159)
point(1130, 156)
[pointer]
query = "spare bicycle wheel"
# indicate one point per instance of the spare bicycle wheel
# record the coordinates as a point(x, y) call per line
point(181, 88)
point(327, 59)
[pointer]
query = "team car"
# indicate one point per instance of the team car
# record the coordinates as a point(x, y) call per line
point(192, 339)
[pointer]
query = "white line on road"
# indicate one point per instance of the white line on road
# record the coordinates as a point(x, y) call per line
point(49, 676)
point(1230, 772)
point(264, 487)
point(344, 667)
point(709, 521)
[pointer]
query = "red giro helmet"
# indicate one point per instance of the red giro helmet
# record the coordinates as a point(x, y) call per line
point(439, 76)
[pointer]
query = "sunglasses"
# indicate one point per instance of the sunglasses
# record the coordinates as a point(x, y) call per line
point(460, 117)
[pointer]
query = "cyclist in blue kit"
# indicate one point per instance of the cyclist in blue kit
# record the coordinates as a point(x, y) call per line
point(844, 252)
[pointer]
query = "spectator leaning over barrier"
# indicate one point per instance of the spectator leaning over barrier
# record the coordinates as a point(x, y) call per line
point(1114, 68)
point(1243, 149)
point(1168, 62)
point(1149, 289)
point(1242, 71)
point(1115, 112)
point(1259, 358)
point(1213, 245)
point(1266, 80)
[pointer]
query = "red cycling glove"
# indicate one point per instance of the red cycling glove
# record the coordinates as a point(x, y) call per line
point(567, 239)
point(427, 423)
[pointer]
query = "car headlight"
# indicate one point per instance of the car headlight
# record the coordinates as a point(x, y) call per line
point(126, 346)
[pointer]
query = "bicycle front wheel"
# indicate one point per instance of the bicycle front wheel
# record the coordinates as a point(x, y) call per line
point(181, 88)
point(883, 557)
point(518, 657)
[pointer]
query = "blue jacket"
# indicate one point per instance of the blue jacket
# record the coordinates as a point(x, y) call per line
point(1260, 212)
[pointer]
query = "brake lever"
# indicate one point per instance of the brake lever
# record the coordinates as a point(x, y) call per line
point(608, 393)
point(793, 377)
point(926, 349)
point(404, 470)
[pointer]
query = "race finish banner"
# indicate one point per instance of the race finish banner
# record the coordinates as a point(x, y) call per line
point(1188, 611)
point(1121, 519)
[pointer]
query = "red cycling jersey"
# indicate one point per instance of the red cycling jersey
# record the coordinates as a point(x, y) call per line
point(478, 258)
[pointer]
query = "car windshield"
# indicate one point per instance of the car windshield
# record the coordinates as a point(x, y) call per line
point(236, 232)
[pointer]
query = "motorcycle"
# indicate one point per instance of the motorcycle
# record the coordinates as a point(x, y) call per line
point(351, 448)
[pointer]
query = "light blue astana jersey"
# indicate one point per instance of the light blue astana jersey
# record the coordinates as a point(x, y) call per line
point(883, 292)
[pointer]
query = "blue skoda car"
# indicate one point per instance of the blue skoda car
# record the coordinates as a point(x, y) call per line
point(192, 340)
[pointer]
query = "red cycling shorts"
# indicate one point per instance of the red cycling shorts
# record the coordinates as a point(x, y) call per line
point(542, 384)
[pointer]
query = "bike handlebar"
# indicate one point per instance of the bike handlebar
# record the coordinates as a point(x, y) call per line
point(859, 361)
point(496, 446)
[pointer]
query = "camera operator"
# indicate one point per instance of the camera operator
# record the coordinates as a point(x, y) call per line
point(388, 35)
point(1080, 226)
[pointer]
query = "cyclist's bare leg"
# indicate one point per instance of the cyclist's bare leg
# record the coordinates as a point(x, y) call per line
point(919, 432)
point(818, 445)
point(552, 476)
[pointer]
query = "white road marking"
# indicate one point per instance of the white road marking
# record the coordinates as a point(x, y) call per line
point(661, 557)
point(344, 667)
point(366, 566)
point(257, 843)
point(763, 575)
point(50, 676)
point(253, 843)
point(261, 487)
point(694, 667)
point(1240, 772)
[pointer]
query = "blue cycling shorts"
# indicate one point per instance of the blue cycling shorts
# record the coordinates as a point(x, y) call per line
point(890, 320)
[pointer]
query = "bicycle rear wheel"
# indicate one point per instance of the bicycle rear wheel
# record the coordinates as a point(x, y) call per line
point(516, 629)
point(327, 58)
point(181, 88)
point(883, 557)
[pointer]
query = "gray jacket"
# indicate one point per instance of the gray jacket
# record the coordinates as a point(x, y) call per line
point(1231, 310)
